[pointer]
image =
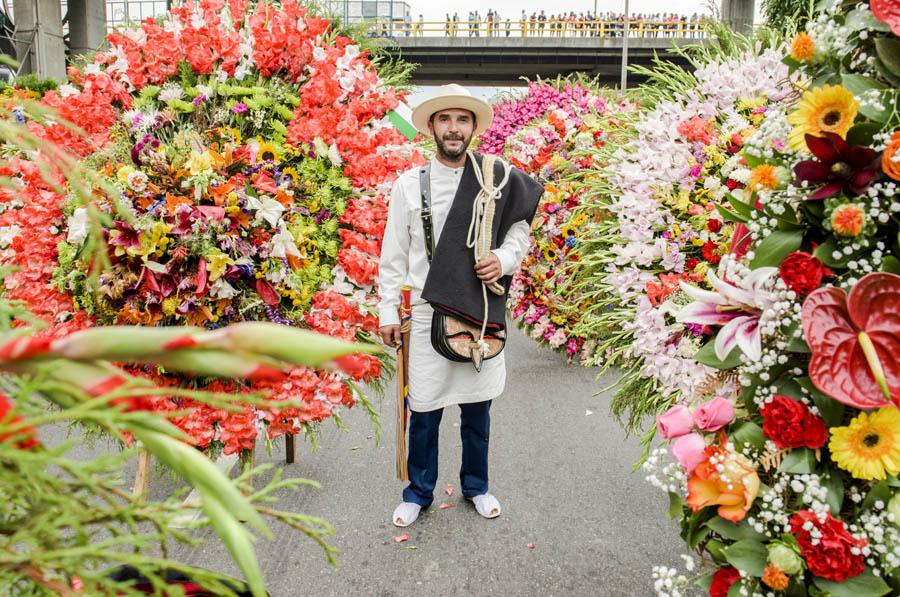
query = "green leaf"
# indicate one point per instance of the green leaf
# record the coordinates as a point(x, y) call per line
point(730, 216)
point(824, 254)
point(675, 504)
point(775, 247)
point(881, 491)
point(704, 581)
point(734, 531)
point(791, 388)
point(888, 49)
point(863, 133)
point(798, 344)
point(747, 555)
point(863, 585)
point(799, 461)
point(707, 356)
point(858, 19)
point(886, 74)
point(832, 481)
point(861, 86)
point(749, 434)
point(745, 209)
point(716, 549)
point(890, 264)
point(831, 410)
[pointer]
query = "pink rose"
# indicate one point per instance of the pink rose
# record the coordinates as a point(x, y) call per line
point(689, 450)
point(675, 422)
point(714, 415)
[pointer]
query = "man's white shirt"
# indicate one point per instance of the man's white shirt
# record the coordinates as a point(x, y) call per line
point(403, 258)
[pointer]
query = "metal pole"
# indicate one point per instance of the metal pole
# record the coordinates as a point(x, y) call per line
point(624, 82)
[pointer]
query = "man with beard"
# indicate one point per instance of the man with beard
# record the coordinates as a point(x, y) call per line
point(431, 251)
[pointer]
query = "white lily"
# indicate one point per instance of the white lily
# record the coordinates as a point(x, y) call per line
point(266, 208)
point(736, 308)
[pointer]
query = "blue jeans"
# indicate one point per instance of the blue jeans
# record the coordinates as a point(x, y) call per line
point(422, 461)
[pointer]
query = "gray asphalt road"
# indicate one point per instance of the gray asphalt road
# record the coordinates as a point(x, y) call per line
point(562, 476)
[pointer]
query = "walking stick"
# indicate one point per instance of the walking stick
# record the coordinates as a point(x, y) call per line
point(403, 382)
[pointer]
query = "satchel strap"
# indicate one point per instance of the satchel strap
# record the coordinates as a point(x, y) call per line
point(427, 226)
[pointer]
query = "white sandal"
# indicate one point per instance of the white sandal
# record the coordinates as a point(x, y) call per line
point(406, 514)
point(486, 505)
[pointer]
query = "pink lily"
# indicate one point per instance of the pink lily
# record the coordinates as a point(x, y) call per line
point(736, 308)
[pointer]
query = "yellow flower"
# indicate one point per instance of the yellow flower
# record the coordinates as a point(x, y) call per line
point(828, 109)
point(268, 151)
point(803, 48)
point(199, 163)
point(217, 263)
point(848, 220)
point(170, 306)
point(869, 448)
point(697, 241)
point(550, 253)
point(123, 173)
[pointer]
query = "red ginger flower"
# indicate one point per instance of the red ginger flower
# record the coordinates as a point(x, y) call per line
point(838, 166)
point(855, 340)
point(828, 547)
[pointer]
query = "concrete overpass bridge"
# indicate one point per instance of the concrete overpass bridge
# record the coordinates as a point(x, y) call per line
point(503, 61)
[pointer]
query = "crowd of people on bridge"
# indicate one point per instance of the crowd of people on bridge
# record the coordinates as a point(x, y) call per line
point(540, 24)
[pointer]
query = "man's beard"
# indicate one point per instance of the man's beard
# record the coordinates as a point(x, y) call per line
point(452, 154)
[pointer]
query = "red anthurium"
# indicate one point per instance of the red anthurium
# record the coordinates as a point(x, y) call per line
point(887, 11)
point(839, 165)
point(855, 341)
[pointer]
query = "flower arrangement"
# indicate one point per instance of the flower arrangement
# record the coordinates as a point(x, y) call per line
point(794, 489)
point(548, 132)
point(244, 165)
point(656, 221)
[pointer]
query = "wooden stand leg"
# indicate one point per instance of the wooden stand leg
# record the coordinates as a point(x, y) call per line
point(141, 477)
point(290, 448)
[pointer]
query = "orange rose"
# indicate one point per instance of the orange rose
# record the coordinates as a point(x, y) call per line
point(733, 488)
point(890, 160)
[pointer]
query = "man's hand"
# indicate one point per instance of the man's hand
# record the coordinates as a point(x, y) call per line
point(489, 269)
point(390, 335)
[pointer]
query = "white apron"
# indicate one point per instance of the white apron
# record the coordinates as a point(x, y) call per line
point(436, 382)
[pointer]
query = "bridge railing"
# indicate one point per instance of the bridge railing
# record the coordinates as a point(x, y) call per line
point(637, 28)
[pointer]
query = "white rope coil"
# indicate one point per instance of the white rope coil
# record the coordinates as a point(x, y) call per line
point(481, 227)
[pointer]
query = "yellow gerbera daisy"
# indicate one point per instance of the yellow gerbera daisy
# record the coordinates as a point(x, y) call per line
point(869, 448)
point(827, 109)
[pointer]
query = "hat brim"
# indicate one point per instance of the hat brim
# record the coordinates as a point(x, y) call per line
point(484, 114)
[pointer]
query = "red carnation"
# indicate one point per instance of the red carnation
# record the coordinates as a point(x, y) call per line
point(691, 263)
point(714, 225)
point(722, 581)
point(709, 252)
point(802, 272)
point(790, 424)
point(831, 557)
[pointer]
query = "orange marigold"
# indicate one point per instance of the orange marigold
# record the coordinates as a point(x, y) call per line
point(765, 176)
point(803, 48)
point(890, 160)
point(774, 578)
point(848, 220)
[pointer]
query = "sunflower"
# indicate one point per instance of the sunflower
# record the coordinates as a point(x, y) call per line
point(268, 151)
point(870, 446)
point(828, 109)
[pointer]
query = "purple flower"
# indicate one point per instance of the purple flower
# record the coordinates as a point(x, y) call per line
point(239, 108)
point(199, 100)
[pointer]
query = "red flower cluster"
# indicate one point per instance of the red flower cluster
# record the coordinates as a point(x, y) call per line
point(831, 556)
point(802, 272)
point(697, 130)
point(790, 424)
point(722, 581)
point(7, 417)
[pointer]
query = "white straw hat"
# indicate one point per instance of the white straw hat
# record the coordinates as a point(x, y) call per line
point(449, 97)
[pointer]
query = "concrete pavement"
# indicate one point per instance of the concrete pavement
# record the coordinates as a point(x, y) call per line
point(562, 476)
